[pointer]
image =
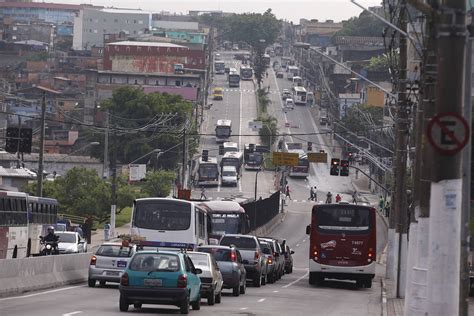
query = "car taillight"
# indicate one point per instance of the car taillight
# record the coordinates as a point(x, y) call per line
point(270, 260)
point(93, 260)
point(233, 257)
point(370, 255)
point(314, 254)
point(124, 279)
point(257, 255)
point(182, 281)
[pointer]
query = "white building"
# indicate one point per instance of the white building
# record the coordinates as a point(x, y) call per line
point(90, 25)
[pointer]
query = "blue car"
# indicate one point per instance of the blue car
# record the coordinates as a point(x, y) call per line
point(160, 277)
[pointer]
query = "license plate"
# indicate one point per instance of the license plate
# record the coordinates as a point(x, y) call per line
point(152, 282)
point(121, 264)
point(112, 273)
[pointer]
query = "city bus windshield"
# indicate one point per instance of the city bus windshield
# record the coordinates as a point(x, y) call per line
point(208, 171)
point(225, 223)
point(223, 131)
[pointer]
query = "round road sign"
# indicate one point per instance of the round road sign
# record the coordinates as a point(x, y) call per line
point(448, 132)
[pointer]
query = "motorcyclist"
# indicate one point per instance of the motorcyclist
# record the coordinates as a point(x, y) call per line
point(329, 198)
point(51, 236)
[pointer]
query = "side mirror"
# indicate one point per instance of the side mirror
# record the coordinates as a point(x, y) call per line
point(197, 271)
point(308, 229)
point(292, 251)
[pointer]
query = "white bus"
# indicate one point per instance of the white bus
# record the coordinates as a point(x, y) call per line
point(169, 223)
point(230, 146)
point(235, 159)
point(223, 130)
point(219, 67)
point(292, 72)
point(299, 95)
point(233, 78)
point(208, 172)
point(302, 169)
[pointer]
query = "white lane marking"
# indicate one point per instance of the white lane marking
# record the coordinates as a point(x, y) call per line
point(297, 245)
point(243, 308)
point(41, 293)
point(261, 300)
point(304, 240)
point(72, 313)
point(275, 291)
point(295, 281)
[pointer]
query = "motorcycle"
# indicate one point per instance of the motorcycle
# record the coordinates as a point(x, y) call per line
point(49, 247)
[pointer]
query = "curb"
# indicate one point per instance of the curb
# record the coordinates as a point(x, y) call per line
point(384, 311)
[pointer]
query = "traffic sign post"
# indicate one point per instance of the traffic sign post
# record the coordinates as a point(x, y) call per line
point(285, 159)
point(318, 157)
point(448, 132)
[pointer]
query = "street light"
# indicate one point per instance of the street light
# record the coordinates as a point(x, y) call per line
point(255, 199)
point(156, 150)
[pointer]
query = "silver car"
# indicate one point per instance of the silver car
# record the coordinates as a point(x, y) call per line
point(109, 262)
point(211, 278)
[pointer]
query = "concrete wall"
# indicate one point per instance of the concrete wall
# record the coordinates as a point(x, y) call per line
point(29, 274)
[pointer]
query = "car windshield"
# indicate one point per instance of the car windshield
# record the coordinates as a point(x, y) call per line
point(225, 223)
point(239, 241)
point(229, 173)
point(162, 215)
point(199, 260)
point(68, 238)
point(155, 262)
point(114, 251)
point(218, 253)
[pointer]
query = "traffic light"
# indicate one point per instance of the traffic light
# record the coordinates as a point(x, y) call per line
point(334, 169)
point(310, 146)
point(344, 168)
point(205, 155)
point(221, 150)
point(26, 135)
point(11, 144)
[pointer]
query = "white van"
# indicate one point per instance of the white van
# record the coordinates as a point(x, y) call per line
point(229, 176)
point(289, 104)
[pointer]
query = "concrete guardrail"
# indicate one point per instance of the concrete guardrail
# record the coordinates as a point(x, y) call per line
point(35, 273)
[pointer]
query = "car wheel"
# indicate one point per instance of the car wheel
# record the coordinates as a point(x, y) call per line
point(91, 282)
point(211, 299)
point(102, 283)
point(218, 298)
point(197, 303)
point(257, 281)
point(184, 307)
point(236, 291)
point(137, 305)
point(243, 288)
point(123, 304)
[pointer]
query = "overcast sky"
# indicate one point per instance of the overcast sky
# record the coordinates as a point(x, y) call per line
point(292, 10)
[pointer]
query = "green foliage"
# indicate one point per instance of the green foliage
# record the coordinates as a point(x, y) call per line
point(269, 130)
point(364, 25)
point(131, 109)
point(355, 120)
point(158, 183)
point(382, 62)
point(263, 101)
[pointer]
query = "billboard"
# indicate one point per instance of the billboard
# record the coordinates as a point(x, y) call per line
point(137, 172)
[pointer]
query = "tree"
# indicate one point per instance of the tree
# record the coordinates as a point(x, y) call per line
point(269, 130)
point(144, 122)
point(158, 183)
point(364, 25)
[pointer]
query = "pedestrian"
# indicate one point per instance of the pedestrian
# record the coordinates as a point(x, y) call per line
point(203, 194)
point(78, 229)
point(315, 193)
point(106, 231)
point(311, 194)
point(268, 88)
point(354, 197)
point(266, 74)
point(381, 204)
point(288, 191)
point(329, 198)
point(338, 198)
point(387, 209)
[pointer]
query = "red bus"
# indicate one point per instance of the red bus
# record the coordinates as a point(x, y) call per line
point(342, 243)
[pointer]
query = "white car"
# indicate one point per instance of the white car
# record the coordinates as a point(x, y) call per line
point(289, 104)
point(229, 176)
point(71, 242)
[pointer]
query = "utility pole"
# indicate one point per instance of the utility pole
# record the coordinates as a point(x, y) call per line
point(466, 186)
point(105, 172)
point(113, 165)
point(417, 291)
point(39, 186)
point(447, 132)
point(398, 217)
point(18, 160)
point(183, 168)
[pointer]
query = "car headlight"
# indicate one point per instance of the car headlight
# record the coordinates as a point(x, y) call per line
point(48, 246)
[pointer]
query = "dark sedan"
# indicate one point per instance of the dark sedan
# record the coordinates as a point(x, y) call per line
point(230, 264)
